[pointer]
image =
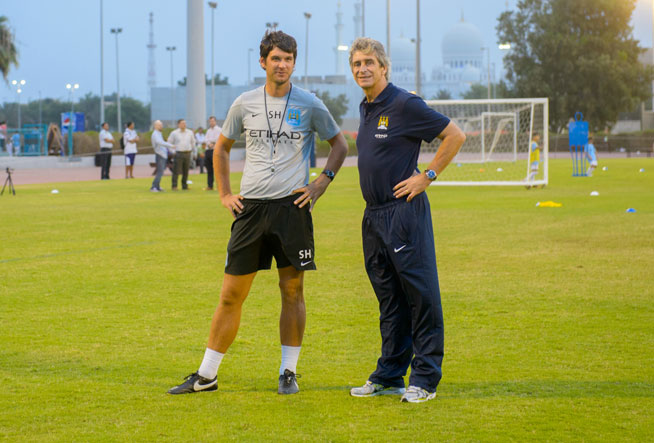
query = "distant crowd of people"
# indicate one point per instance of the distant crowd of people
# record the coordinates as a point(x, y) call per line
point(183, 150)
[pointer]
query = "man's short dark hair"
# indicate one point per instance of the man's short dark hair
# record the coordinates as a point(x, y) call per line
point(103, 123)
point(212, 117)
point(277, 39)
point(180, 120)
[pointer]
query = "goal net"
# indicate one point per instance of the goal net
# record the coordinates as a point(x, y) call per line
point(499, 142)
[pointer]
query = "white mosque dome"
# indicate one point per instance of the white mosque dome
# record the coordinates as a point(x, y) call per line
point(403, 50)
point(403, 60)
point(462, 45)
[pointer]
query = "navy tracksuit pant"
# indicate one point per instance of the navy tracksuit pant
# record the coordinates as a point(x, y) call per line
point(398, 247)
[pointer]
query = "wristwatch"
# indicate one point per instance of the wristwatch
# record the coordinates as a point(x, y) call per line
point(330, 174)
point(431, 175)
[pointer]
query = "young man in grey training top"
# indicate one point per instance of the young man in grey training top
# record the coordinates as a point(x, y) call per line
point(272, 213)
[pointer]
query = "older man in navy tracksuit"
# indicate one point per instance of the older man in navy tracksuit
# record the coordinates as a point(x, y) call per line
point(398, 240)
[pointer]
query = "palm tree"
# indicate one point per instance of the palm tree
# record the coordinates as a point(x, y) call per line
point(8, 52)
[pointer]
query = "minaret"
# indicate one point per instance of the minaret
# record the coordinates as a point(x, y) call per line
point(152, 71)
point(357, 20)
point(339, 40)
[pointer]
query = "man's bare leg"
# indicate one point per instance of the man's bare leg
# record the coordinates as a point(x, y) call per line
point(224, 327)
point(227, 317)
point(293, 317)
point(291, 327)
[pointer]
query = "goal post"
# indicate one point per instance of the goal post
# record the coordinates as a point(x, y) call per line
point(498, 147)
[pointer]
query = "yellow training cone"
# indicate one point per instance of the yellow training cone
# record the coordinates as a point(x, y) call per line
point(549, 204)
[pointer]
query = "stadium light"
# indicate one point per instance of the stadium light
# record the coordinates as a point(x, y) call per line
point(342, 47)
point(504, 46)
point(71, 87)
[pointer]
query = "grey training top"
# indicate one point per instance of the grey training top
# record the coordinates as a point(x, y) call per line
point(274, 173)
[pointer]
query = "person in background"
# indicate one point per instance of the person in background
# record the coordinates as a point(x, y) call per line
point(591, 155)
point(201, 147)
point(161, 150)
point(130, 137)
point(15, 141)
point(106, 145)
point(3, 135)
point(534, 158)
point(211, 137)
point(10, 147)
point(184, 142)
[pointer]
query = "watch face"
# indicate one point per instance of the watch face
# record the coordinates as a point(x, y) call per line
point(431, 175)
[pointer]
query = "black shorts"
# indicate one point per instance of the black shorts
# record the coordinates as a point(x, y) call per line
point(267, 229)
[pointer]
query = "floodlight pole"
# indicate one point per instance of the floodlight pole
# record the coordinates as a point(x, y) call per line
point(488, 85)
point(213, 6)
point(117, 31)
point(307, 15)
point(363, 18)
point(172, 86)
point(71, 87)
point(388, 28)
point(19, 114)
point(101, 66)
point(18, 84)
point(418, 67)
point(250, 50)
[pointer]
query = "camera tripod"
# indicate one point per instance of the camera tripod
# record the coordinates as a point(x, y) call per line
point(9, 182)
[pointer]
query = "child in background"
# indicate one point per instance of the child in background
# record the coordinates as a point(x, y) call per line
point(591, 155)
point(200, 143)
point(534, 158)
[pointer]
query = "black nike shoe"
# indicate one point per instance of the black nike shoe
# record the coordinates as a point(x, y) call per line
point(195, 383)
point(288, 383)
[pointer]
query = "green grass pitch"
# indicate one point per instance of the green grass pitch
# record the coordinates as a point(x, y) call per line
point(107, 292)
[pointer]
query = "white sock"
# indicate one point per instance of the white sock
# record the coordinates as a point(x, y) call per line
point(210, 363)
point(290, 355)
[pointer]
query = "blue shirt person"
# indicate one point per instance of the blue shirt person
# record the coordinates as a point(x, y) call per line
point(398, 240)
point(15, 141)
point(591, 155)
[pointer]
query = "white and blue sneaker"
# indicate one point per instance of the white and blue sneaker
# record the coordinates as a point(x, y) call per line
point(414, 394)
point(371, 389)
point(288, 383)
point(195, 383)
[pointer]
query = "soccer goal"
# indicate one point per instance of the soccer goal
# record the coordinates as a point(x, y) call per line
point(498, 145)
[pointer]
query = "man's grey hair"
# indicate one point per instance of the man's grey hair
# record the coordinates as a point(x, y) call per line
point(369, 46)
